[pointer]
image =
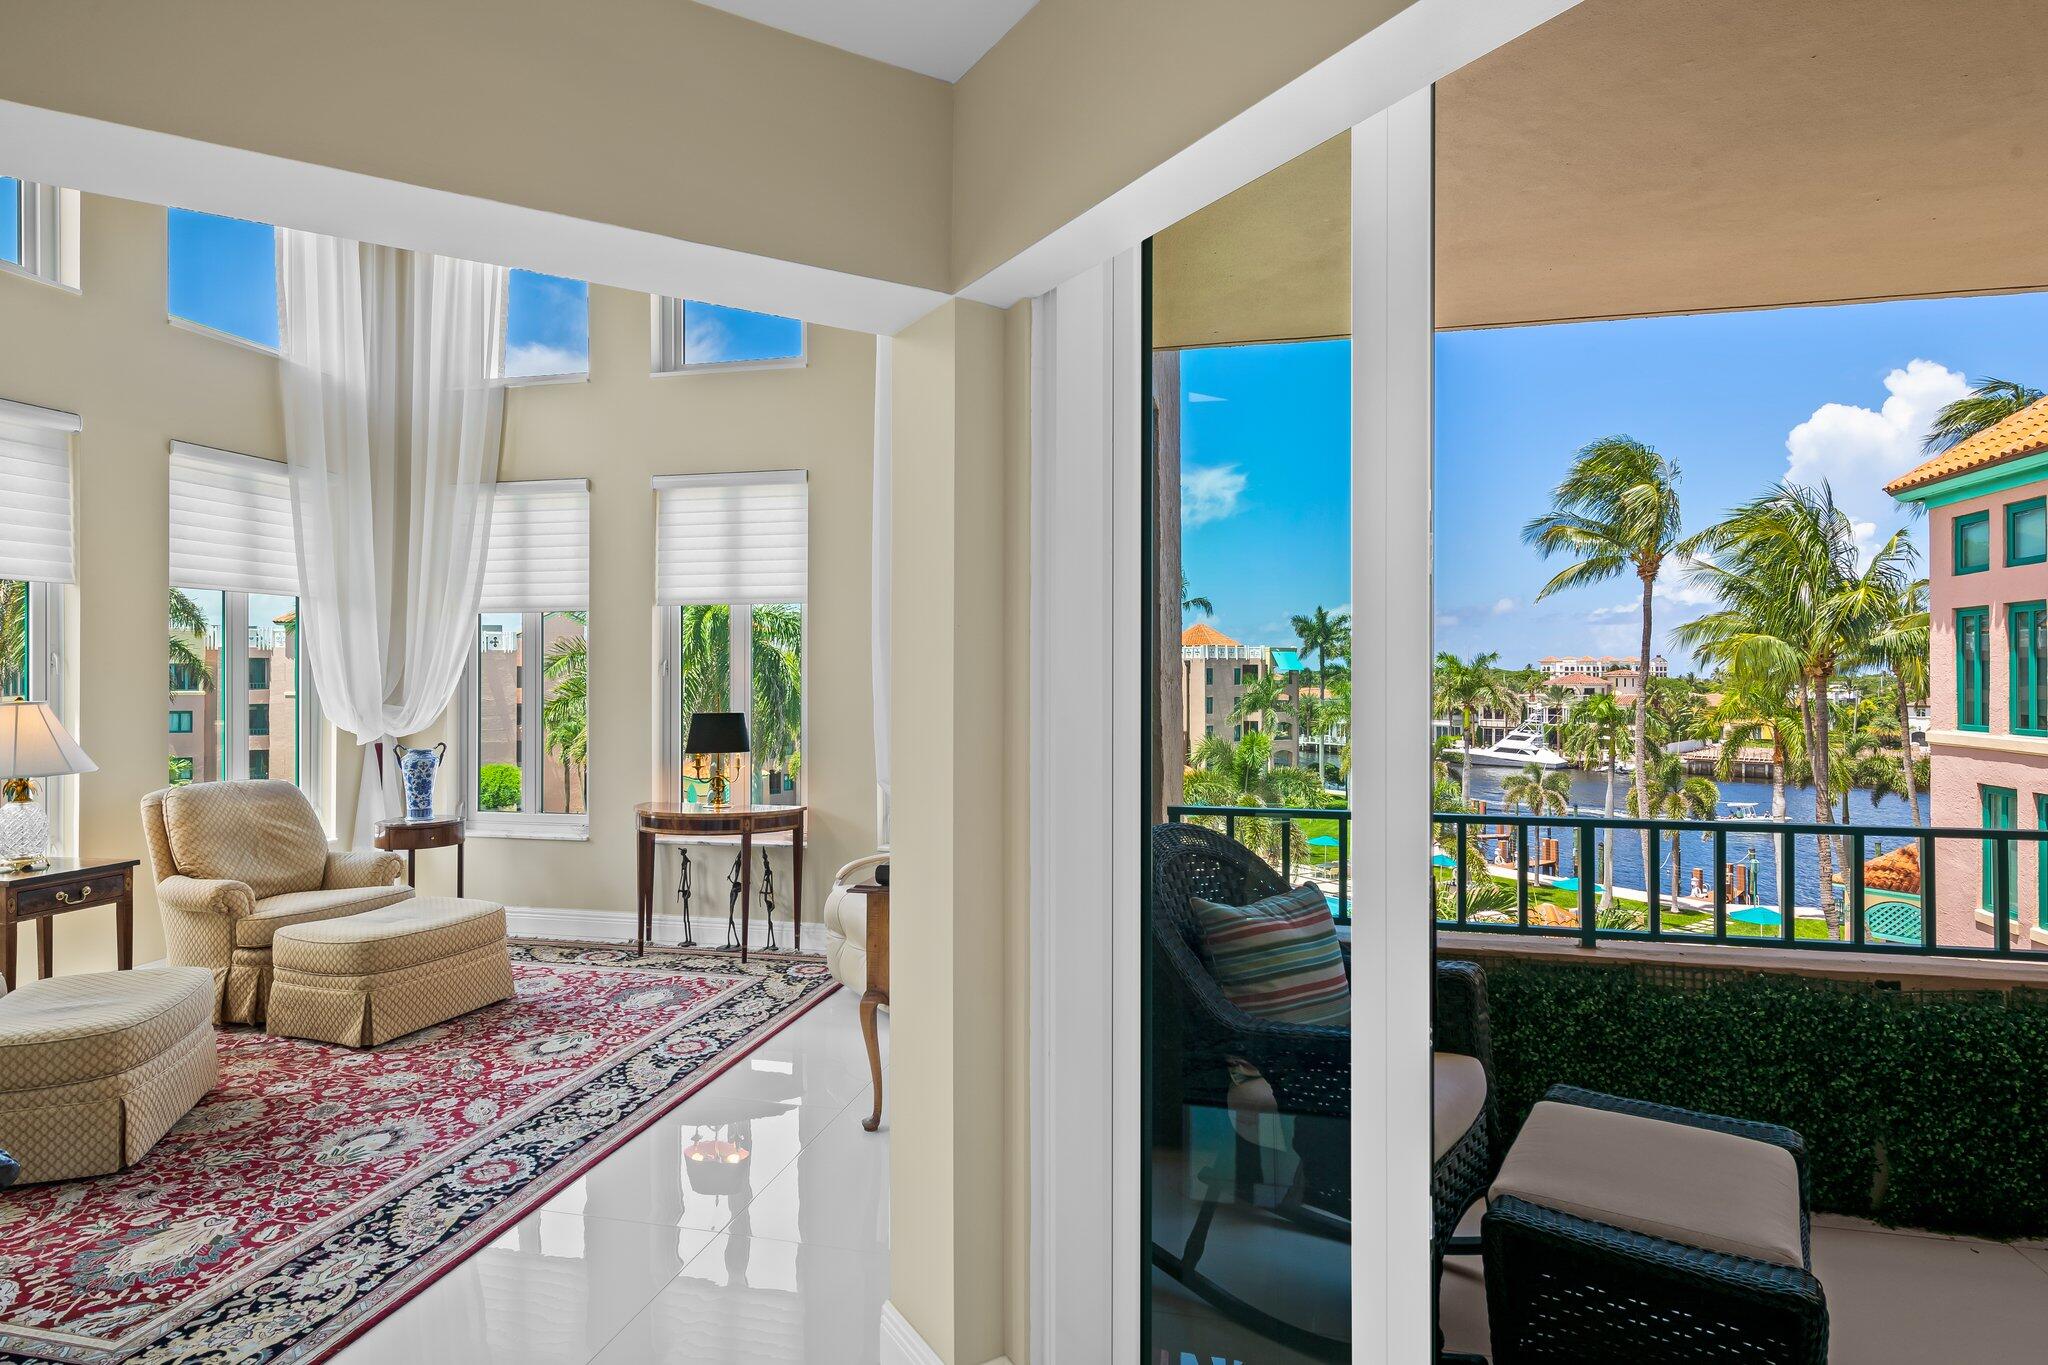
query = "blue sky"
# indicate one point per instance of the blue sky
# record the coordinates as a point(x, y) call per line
point(10, 219)
point(1739, 400)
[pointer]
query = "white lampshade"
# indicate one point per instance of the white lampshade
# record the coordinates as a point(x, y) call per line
point(34, 743)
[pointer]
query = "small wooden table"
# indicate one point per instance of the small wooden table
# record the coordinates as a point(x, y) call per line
point(67, 884)
point(410, 836)
point(657, 818)
point(877, 993)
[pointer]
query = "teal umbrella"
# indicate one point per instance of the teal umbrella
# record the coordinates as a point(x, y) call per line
point(1443, 860)
point(1323, 841)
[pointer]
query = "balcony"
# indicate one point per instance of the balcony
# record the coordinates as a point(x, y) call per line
point(1897, 1025)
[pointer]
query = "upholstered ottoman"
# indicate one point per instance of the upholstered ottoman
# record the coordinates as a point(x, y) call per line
point(95, 1068)
point(1624, 1231)
point(369, 978)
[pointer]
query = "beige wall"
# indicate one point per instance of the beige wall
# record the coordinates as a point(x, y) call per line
point(108, 354)
point(954, 1064)
point(658, 115)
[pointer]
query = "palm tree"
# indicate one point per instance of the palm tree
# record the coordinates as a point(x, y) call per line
point(1544, 792)
point(1986, 405)
point(1759, 714)
point(1902, 645)
point(1796, 603)
point(1191, 603)
point(13, 637)
point(777, 722)
point(1676, 795)
point(565, 711)
point(1241, 773)
point(1464, 686)
point(1556, 697)
point(1262, 696)
point(1594, 733)
point(1616, 512)
point(188, 632)
point(1322, 634)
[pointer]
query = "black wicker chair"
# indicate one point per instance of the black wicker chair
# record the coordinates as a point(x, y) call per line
point(1308, 1066)
point(1562, 1288)
point(10, 1170)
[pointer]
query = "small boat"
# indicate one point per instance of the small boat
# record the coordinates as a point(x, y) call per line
point(1517, 748)
point(1740, 810)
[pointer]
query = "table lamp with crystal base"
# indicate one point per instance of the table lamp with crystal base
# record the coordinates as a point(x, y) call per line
point(33, 743)
point(713, 735)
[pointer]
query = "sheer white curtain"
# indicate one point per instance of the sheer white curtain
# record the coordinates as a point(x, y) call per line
point(392, 432)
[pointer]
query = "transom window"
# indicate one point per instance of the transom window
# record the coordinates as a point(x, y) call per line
point(221, 276)
point(1973, 673)
point(2026, 532)
point(2027, 643)
point(689, 335)
point(545, 331)
point(39, 230)
point(1973, 542)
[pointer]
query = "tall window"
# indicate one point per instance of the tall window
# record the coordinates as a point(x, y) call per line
point(732, 565)
point(2027, 643)
point(1973, 673)
point(39, 230)
point(35, 559)
point(546, 327)
point(1999, 807)
point(1973, 542)
point(2026, 532)
point(241, 702)
point(526, 747)
point(689, 335)
point(222, 276)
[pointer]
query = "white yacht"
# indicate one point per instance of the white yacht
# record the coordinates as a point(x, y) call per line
point(1517, 748)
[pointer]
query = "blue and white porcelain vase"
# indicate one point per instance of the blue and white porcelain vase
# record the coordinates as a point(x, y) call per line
point(416, 769)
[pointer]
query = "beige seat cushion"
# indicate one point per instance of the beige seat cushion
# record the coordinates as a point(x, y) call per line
point(262, 833)
point(69, 1029)
point(1705, 1189)
point(302, 907)
point(389, 940)
point(1460, 1093)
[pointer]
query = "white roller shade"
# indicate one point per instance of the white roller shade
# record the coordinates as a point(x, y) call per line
point(35, 493)
point(539, 556)
point(735, 539)
point(231, 522)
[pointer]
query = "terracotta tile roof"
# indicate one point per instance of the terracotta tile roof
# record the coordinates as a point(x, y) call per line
point(1577, 680)
point(2023, 433)
point(1204, 634)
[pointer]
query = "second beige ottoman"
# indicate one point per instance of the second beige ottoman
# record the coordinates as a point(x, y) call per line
point(366, 979)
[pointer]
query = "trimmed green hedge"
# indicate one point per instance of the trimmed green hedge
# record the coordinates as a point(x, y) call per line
point(1924, 1109)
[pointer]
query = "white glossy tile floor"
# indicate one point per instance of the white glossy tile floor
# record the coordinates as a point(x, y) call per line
point(637, 1262)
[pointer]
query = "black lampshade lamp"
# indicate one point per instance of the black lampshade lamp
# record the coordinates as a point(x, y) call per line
point(713, 735)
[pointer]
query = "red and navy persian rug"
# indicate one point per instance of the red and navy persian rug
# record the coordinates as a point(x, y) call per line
point(316, 1188)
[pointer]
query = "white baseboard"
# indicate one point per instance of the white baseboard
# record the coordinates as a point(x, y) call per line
point(901, 1344)
point(605, 926)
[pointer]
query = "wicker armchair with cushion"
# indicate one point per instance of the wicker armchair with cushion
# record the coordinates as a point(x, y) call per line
point(1308, 1067)
point(235, 862)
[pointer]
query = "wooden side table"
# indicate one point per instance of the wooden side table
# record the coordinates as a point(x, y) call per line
point(67, 884)
point(410, 836)
point(656, 818)
point(877, 993)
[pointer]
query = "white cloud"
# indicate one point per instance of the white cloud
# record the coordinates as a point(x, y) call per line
point(1206, 398)
point(1857, 450)
point(537, 358)
point(706, 338)
point(1209, 493)
point(1504, 606)
point(1446, 621)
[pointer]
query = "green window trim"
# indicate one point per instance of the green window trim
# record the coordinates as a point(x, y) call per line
point(1998, 807)
point(181, 722)
point(1960, 537)
point(2041, 863)
point(2026, 647)
point(1973, 673)
point(2034, 510)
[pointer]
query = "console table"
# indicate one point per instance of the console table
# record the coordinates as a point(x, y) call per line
point(877, 993)
point(657, 818)
point(67, 884)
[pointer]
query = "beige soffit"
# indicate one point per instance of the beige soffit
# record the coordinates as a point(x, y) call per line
point(1664, 156)
point(659, 116)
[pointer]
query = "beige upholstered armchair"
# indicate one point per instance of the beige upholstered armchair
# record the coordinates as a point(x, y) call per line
point(237, 861)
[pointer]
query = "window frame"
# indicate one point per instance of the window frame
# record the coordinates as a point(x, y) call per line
point(1978, 518)
point(2005, 802)
point(1979, 620)
point(2041, 862)
point(740, 683)
point(184, 324)
point(49, 235)
point(2015, 510)
point(173, 726)
point(529, 821)
point(668, 334)
point(501, 327)
point(2026, 674)
point(44, 681)
point(234, 703)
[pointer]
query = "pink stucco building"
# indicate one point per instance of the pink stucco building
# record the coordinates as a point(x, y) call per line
point(1987, 520)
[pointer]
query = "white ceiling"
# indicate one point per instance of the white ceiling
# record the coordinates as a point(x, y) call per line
point(941, 38)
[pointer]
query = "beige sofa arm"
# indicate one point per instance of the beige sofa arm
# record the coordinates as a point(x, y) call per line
point(190, 894)
point(361, 869)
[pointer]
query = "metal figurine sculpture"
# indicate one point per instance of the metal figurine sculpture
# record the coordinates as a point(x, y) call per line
point(683, 894)
point(768, 900)
point(732, 904)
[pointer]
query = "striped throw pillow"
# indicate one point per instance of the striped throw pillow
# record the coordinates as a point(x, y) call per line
point(1278, 958)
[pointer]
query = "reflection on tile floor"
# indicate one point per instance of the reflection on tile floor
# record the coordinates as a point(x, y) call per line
point(648, 1257)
